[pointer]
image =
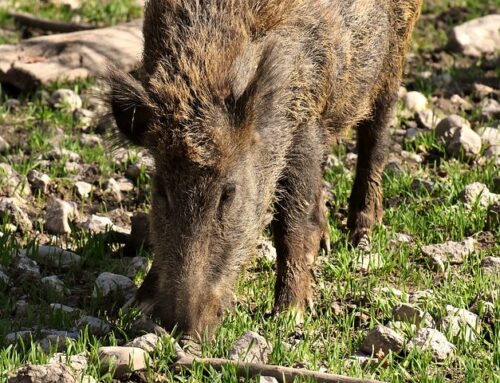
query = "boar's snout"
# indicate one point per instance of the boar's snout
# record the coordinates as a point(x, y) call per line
point(190, 311)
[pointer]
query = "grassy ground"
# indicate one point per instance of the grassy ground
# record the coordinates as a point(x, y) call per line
point(346, 305)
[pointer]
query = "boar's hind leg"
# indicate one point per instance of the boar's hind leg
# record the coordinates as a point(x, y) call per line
point(365, 203)
point(299, 226)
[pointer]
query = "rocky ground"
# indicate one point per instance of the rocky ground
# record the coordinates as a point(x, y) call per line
point(419, 304)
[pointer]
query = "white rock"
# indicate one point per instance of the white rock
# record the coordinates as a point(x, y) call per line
point(461, 323)
point(62, 153)
point(39, 181)
point(13, 210)
point(113, 189)
point(267, 379)
point(26, 266)
point(58, 339)
point(478, 192)
point(84, 117)
point(490, 109)
point(411, 314)
point(83, 189)
point(350, 160)
point(428, 339)
point(109, 283)
point(46, 373)
point(491, 265)
point(98, 224)
point(13, 337)
point(77, 362)
point(478, 36)
point(362, 360)
point(450, 251)
point(72, 168)
point(124, 359)
point(125, 185)
point(388, 291)
point(63, 308)
point(56, 257)
point(426, 119)
point(251, 348)
point(4, 145)
point(95, 325)
point(458, 136)
point(53, 282)
point(65, 99)
point(58, 213)
point(489, 136)
point(415, 101)
point(420, 295)
point(148, 342)
point(384, 339)
point(90, 140)
point(266, 250)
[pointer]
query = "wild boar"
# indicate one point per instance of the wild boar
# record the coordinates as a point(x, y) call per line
point(239, 102)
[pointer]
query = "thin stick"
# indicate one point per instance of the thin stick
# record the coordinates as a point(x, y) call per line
point(48, 25)
point(282, 374)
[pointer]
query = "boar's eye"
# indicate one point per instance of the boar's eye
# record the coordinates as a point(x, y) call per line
point(227, 195)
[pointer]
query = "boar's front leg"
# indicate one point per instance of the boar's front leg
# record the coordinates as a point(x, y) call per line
point(299, 224)
point(365, 203)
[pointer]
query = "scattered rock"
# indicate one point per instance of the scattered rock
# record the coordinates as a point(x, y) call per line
point(415, 101)
point(388, 291)
point(4, 278)
point(147, 342)
point(493, 154)
point(46, 373)
point(460, 103)
point(56, 257)
point(123, 359)
point(384, 339)
point(97, 224)
point(4, 145)
point(411, 314)
point(125, 185)
point(12, 210)
point(25, 267)
point(113, 189)
point(63, 308)
point(458, 137)
point(38, 181)
point(368, 262)
point(138, 265)
point(53, 282)
point(478, 193)
point(58, 340)
point(491, 265)
point(90, 140)
point(477, 37)
point(402, 238)
point(428, 339)
point(12, 105)
point(422, 184)
point(58, 214)
point(65, 99)
point(266, 250)
point(62, 153)
point(482, 91)
point(450, 251)
point(420, 295)
point(267, 379)
point(490, 109)
point(426, 119)
point(94, 325)
point(250, 348)
point(72, 168)
point(460, 323)
point(77, 362)
point(394, 167)
point(489, 136)
point(413, 133)
point(24, 335)
point(84, 117)
point(363, 360)
point(83, 189)
point(109, 283)
point(350, 160)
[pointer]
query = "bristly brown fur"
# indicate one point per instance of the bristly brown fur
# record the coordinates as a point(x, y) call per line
point(239, 103)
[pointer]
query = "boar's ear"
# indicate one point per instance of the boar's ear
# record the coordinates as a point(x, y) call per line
point(130, 106)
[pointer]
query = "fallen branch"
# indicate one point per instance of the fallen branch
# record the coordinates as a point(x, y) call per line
point(70, 56)
point(282, 374)
point(48, 25)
